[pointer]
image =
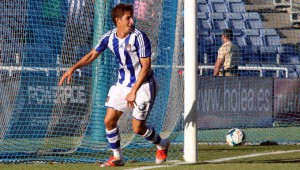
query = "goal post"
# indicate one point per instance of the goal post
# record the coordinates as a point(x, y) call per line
point(190, 81)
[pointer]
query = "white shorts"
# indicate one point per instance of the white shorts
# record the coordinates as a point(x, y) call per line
point(145, 97)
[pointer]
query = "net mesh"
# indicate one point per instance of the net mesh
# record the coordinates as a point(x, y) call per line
point(261, 96)
point(40, 40)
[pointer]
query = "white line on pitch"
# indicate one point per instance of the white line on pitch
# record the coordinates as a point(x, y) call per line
point(177, 163)
point(152, 167)
point(250, 156)
point(157, 166)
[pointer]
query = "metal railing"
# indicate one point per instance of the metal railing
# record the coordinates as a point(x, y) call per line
point(252, 68)
point(58, 69)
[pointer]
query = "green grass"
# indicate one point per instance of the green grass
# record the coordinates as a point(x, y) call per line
point(206, 152)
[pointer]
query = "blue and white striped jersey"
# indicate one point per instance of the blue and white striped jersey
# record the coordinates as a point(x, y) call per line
point(128, 52)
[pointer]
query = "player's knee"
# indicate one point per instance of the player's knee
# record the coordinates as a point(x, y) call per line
point(109, 124)
point(138, 130)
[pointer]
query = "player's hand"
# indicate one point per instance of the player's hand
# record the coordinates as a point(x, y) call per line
point(131, 99)
point(67, 75)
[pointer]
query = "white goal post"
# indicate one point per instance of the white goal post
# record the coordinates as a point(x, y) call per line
point(190, 81)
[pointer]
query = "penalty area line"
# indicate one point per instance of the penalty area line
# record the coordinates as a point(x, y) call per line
point(249, 156)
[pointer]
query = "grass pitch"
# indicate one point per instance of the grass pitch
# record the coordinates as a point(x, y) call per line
point(206, 153)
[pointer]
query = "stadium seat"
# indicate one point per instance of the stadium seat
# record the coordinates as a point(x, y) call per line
point(254, 41)
point(297, 66)
point(239, 41)
point(268, 54)
point(253, 38)
point(205, 39)
point(203, 8)
point(269, 31)
point(272, 40)
point(238, 38)
point(235, 21)
point(236, 6)
point(250, 55)
point(201, 1)
point(251, 32)
point(204, 23)
point(204, 42)
point(250, 73)
point(292, 72)
point(212, 54)
point(217, 6)
point(202, 51)
point(218, 21)
point(251, 15)
point(288, 54)
point(270, 36)
point(252, 20)
point(216, 35)
point(271, 73)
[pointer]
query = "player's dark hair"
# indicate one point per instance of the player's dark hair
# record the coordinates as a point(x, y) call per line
point(119, 10)
point(228, 33)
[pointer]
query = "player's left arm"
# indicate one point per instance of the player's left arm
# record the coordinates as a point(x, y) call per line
point(146, 67)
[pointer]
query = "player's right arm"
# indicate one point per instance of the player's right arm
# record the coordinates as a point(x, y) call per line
point(85, 60)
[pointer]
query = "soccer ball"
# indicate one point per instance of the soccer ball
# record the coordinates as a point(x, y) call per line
point(235, 137)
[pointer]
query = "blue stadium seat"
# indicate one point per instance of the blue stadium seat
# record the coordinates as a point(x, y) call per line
point(253, 20)
point(204, 22)
point(216, 35)
point(235, 21)
point(270, 36)
point(218, 6)
point(292, 72)
point(252, 37)
point(251, 32)
point(204, 42)
point(271, 73)
point(203, 7)
point(288, 54)
point(236, 6)
point(297, 66)
point(250, 73)
point(250, 55)
point(238, 38)
point(268, 54)
point(212, 54)
point(239, 41)
point(207, 72)
point(204, 39)
point(251, 15)
point(254, 40)
point(218, 21)
point(201, 1)
point(272, 40)
point(39, 55)
point(202, 51)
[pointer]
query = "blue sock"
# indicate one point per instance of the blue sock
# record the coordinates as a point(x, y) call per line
point(154, 138)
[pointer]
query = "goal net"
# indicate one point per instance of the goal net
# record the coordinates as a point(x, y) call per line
point(259, 91)
point(40, 40)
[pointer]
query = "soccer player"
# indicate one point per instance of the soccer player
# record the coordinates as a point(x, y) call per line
point(136, 86)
